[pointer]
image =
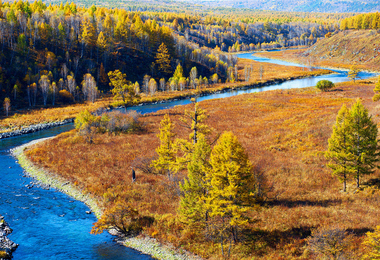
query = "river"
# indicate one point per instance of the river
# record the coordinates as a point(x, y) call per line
point(50, 225)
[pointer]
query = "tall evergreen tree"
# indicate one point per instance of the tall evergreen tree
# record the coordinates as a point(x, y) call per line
point(353, 146)
point(230, 185)
point(339, 147)
point(163, 59)
point(167, 150)
point(364, 144)
point(192, 209)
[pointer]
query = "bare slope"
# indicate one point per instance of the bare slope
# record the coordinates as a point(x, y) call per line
point(342, 50)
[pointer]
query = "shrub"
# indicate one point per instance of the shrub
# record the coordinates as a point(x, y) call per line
point(65, 96)
point(330, 243)
point(372, 243)
point(324, 85)
point(117, 122)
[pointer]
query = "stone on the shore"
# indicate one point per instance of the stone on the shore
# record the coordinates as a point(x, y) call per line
point(6, 245)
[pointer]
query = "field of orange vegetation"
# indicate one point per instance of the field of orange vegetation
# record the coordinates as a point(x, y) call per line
point(285, 133)
point(342, 50)
point(271, 73)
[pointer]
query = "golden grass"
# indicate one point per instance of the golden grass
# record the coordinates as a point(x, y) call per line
point(272, 73)
point(285, 132)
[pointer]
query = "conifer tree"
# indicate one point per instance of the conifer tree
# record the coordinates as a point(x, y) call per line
point(167, 150)
point(353, 146)
point(339, 150)
point(163, 59)
point(230, 185)
point(122, 88)
point(191, 207)
point(364, 144)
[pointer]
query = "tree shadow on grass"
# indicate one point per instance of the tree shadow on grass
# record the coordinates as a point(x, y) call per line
point(303, 203)
point(375, 182)
point(260, 240)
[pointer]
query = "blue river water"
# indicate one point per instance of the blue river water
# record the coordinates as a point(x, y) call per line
point(50, 225)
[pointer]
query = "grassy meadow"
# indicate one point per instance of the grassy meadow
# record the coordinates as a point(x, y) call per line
point(284, 132)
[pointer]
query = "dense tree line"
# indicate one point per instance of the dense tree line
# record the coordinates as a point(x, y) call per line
point(58, 51)
point(361, 21)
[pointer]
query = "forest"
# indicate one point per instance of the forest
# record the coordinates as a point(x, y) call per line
point(52, 54)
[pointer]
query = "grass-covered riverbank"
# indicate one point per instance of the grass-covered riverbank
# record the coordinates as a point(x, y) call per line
point(49, 179)
point(271, 73)
point(285, 133)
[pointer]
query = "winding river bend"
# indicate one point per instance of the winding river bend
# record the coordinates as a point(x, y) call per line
point(50, 225)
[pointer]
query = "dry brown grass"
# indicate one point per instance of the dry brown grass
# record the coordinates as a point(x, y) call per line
point(342, 50)
point(284, 131)
point(272, 73)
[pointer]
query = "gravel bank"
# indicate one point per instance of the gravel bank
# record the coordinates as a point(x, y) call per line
point(34, 128)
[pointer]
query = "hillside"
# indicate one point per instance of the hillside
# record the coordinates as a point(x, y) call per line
point(300, 6)
point(342, 50)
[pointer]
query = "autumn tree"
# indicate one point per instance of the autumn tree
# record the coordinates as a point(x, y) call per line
point(163, 59)
point(152, 86)
point(353, 146)
point(363, 141)
point(166, 151)
point(230, 184)
point(89, 88)
point(87, 125)
point(339, 147)
point(44, 83)
point(122, 88)
point(353, 72)
point(372, 244)
point(376, 97)
point(193, 76)
point(71, 85)
point(194, 121)
point(7, 105)
point(192, 204)
point(120, 216)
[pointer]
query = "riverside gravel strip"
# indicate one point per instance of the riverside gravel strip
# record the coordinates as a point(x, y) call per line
point(34, 128)
point(6, 245)
point(47, 179)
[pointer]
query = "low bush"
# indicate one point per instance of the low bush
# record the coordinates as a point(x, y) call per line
point(324, 85)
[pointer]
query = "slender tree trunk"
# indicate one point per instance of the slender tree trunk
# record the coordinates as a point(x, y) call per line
point(344, 182)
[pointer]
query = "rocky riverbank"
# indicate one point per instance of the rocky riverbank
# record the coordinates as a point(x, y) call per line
point(47, 179)
point(34, 128)
point(6, 245)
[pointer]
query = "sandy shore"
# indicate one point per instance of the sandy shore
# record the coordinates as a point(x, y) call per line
point(143, 244)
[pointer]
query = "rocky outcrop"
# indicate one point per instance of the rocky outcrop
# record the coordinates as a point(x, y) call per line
point(34, 128)
point(6, 245)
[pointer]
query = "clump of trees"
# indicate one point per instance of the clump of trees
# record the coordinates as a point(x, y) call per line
point(220, 186)
point(114, 122)
point(353, 148)
point(324, 85)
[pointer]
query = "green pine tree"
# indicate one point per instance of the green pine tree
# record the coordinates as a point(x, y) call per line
point(364, 144)
point(191, 207)
point(167, 150)
point(339, 147)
